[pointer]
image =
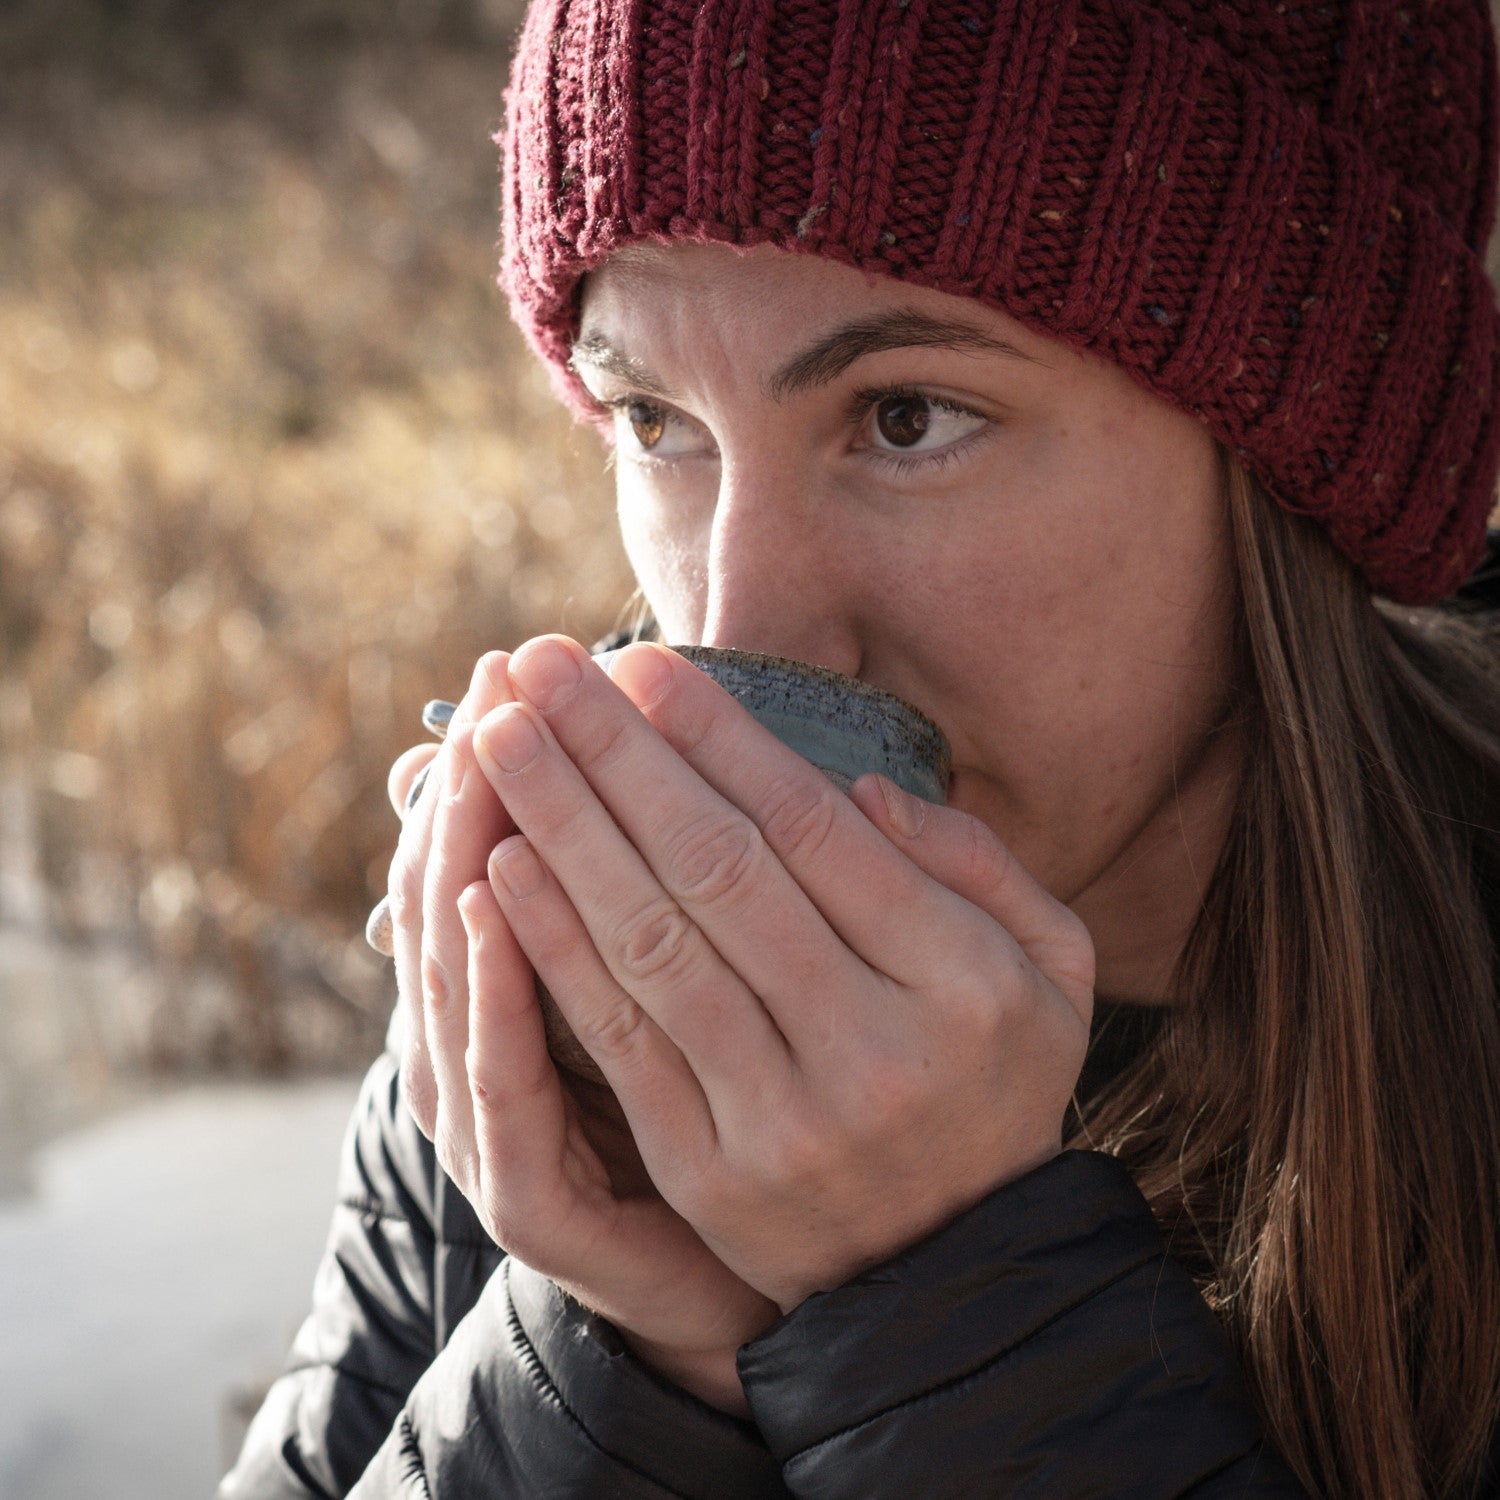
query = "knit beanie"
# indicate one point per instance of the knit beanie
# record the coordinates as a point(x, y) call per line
point(1270, 213)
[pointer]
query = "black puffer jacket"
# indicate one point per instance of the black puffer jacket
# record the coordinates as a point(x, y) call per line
point(1043, 1344)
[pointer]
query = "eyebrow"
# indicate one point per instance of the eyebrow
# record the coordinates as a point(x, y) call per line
point(596, 352)
point(821, 362)
point(901, 329)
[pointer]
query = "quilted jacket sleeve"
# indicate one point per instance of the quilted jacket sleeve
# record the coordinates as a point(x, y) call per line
point(377, 1306)
point(521, 1395)
point(1043, 1344)
point(535, 1397)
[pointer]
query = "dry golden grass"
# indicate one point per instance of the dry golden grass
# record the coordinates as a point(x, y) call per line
point(274, 469)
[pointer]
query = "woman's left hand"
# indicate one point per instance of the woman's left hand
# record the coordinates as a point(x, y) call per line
point(833, 1023)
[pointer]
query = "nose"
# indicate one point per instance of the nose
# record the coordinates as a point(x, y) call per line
point(781, 577)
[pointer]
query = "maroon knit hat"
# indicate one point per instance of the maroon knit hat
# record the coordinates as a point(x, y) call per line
point(1270, 213)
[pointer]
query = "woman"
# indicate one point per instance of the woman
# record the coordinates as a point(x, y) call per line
point(987, 355)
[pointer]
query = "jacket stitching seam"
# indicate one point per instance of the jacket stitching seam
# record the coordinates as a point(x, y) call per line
point(372, 1209)
point(411, 1451)
point(333, 1367)
point(533, 1361)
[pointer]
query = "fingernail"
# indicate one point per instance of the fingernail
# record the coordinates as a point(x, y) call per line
point(489, 672)
point(906, 812)
point(380, 930)
point(519, 869)
point(489, 684)
point(417, 783)
point(458, 765)
point(547, 672)
point(438, 716)
point(508, 739)
point(642, 673)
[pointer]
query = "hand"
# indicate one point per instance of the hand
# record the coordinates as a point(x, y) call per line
point(832, 1024)
point(446, 835)
point(550, 1166)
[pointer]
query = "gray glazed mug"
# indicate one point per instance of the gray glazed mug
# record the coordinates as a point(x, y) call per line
point(843, 726)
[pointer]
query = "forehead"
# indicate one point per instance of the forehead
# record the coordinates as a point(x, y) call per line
point(769, 289)
point(793, 322)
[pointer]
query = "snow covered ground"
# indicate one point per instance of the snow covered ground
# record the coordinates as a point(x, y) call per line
point(156, 1270)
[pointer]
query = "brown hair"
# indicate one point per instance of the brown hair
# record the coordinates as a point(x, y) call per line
point(1318, 1127)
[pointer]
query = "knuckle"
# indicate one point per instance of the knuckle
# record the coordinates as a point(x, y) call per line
point(1006, 1001)
point(498, 1213)
point(1074, 938)
point(986, 863)
point(802, 819)
point(617, 1030)
point(695, 727)
point(435, 989)
point(986, 968)
point(885, 1088)
point(716, 859)
point(1070, 954)
point(605, 747)
point(405, 890)
point(796, 1154)
point(419, 1093)
point(477, 1071)
point(657, 944)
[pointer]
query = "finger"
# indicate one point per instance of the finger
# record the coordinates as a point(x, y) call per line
point(404, 784)
point(404, 900)
point(406, 892)
point(467, 822)
point(709, 857)
point(961, 853)
point(405, 772)
point(663, 1099)
point(515, 1096)
point(840, 865)
point(655, 951)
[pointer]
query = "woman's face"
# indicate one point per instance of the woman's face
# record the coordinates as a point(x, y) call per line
point(913, 489)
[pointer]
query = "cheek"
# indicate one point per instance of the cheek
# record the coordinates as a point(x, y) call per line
point(1080, 667)
point(667, 554)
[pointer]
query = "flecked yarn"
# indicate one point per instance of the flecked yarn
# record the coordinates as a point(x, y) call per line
point(1272, 215)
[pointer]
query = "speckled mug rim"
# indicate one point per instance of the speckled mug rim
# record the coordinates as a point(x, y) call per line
point(916, 754)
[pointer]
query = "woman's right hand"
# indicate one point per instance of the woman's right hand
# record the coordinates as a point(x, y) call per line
point(546, 1159)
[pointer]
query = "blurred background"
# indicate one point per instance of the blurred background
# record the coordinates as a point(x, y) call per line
point(274, 470)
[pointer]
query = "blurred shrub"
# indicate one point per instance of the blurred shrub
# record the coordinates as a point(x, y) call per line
point(274, 469)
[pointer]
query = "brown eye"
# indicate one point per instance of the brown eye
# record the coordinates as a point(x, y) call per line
point(647, 422)
point(903, 420)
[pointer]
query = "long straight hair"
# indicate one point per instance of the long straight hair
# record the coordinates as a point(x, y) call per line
point(1318, 1125)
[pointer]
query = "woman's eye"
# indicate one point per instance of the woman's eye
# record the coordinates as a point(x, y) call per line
point(657, 430)
point(919, 424)
point(647, 422)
